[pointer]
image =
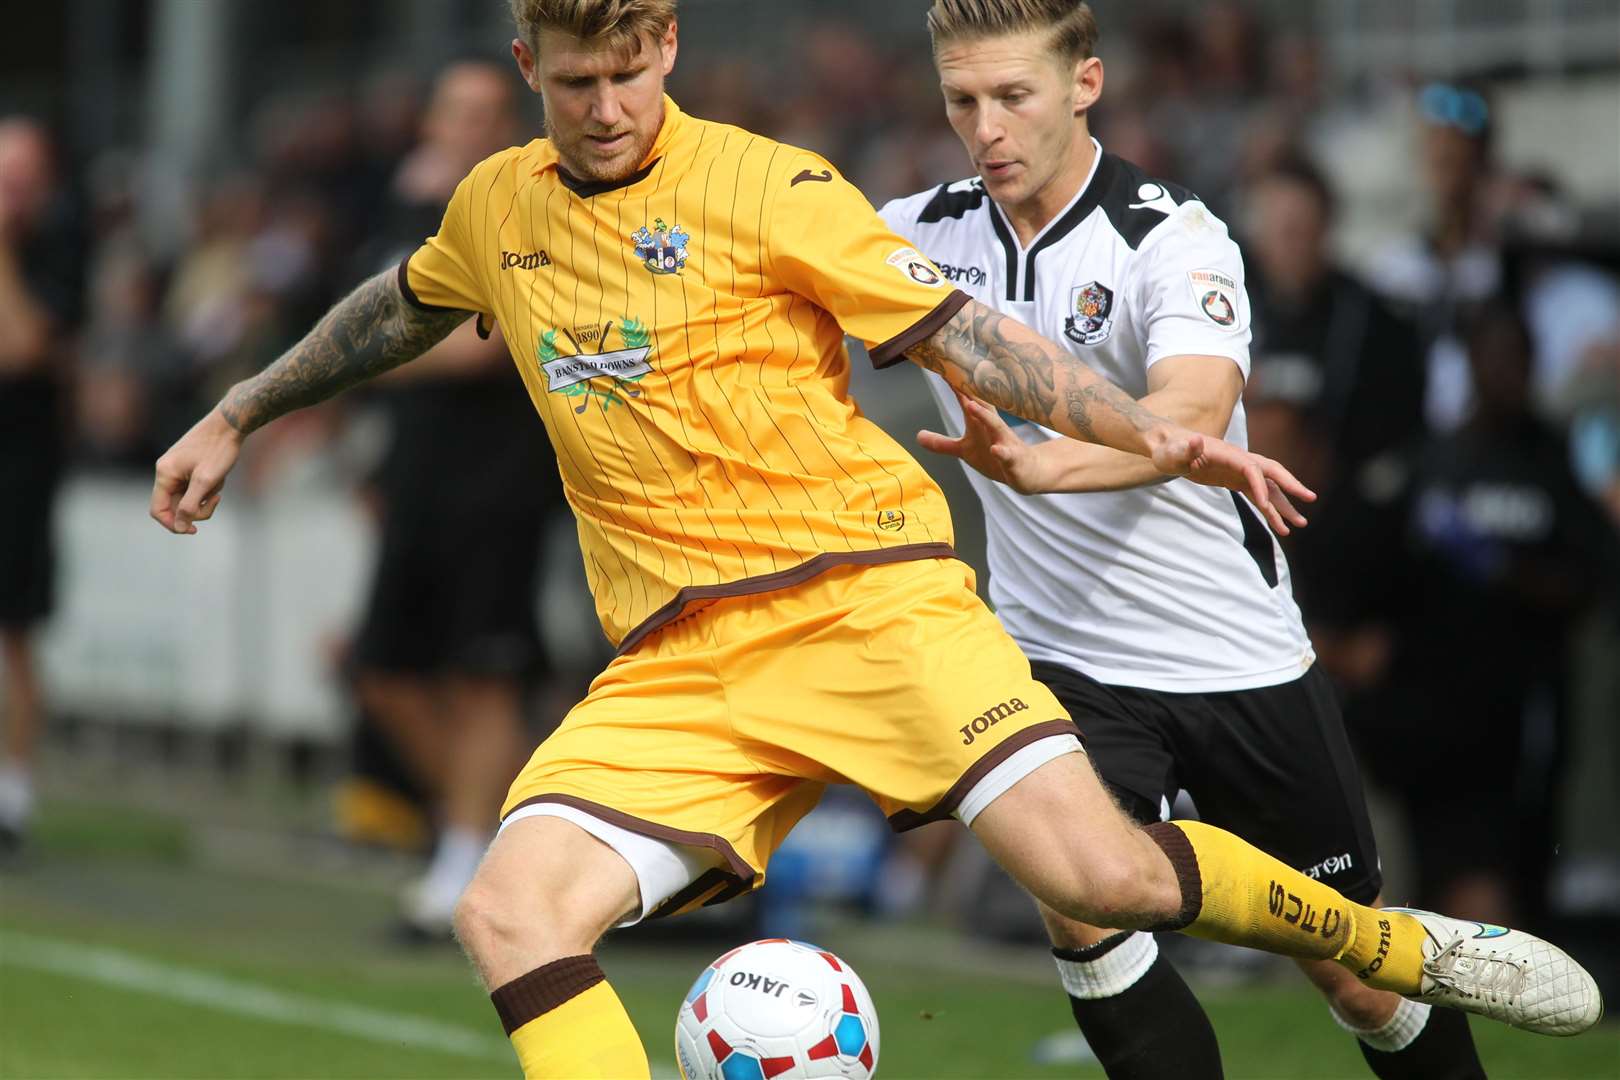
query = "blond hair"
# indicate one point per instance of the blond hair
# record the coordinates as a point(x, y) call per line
point(619, 23)
point(1072, 25)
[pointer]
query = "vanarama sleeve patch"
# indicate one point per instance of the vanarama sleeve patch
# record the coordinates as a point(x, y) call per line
point(1216, 294)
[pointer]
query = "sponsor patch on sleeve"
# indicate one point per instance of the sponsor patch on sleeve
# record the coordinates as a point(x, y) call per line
point(1216, 294)
point(910, 262)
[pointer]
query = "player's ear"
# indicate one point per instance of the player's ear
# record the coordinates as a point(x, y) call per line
point(666, 47)
point(1088, 83)
point(526, 63)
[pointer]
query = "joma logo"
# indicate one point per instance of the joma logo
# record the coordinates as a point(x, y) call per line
point(989, 719)
point(524, 260)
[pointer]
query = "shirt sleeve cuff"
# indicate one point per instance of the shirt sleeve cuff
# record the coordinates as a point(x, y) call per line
point(894, 350)
point(409, 293)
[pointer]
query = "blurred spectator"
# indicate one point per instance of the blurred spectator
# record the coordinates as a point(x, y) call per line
point(1440, 277)
point(1461, 568)
point(1337, 378)
point(1572, 305)
point(449, 637)
point(41, 306)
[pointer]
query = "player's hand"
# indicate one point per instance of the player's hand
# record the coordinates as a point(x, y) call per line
point(191, 475)
point(991, 447)
point(1204, 459)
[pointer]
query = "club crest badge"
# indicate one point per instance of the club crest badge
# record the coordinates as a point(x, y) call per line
point(662, 248)
point(1091, 314)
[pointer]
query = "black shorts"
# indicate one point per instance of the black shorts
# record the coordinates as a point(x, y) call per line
point(27, 553)
point(454, 598)
point(1271, 764)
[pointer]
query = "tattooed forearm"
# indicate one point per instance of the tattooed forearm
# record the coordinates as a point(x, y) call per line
point(369, 332)
point(1004, 362)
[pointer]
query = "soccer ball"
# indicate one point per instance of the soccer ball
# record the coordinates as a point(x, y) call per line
point(777, 1008)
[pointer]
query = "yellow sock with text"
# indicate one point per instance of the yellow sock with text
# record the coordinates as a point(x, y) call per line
point(566, 1023)
point(1235, 893)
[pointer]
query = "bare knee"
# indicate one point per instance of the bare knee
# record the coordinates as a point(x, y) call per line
point(546, 890)
point(1124, 887)
point(491, 920)
point(1060, 835)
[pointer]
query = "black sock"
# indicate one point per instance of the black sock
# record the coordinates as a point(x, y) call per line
point(1141, 1020)
point(1444, 1050)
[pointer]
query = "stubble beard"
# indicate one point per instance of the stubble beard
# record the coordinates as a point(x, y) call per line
point(578, 158)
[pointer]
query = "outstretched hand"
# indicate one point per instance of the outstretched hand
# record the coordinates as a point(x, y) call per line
point(192, 474)
point(991, 447)
point(1204, 459)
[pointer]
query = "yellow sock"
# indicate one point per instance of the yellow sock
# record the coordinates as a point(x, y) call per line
point(566, 1023)
point(1235, 893)
point(1388, 950)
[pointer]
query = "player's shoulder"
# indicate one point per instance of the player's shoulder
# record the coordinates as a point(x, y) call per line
point(947, 202)
point(510, 163)
point(1146, 210)
point(758, 154)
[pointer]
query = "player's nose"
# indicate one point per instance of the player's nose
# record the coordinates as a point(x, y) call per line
point(988, 131)
point(606, 110)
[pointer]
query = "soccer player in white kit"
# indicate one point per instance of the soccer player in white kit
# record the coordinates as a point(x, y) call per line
point(1159, 612)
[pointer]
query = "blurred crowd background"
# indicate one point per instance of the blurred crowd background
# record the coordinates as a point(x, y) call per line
point(1428, 199)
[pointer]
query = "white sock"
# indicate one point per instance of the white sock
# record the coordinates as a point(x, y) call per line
point(16, 796)
point(455, 861)
point(1118, 969)
point(1395, 1034)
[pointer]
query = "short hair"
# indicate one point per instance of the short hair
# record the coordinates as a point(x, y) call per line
point(1071, 23)
point(620, 23)
point(1295, 168)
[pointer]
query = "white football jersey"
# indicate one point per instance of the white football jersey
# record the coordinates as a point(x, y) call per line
point(1173, 586)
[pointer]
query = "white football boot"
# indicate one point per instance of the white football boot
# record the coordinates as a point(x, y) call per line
point(1505, 975)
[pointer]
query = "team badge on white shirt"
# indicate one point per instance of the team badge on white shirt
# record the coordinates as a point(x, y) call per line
point(1092, 313)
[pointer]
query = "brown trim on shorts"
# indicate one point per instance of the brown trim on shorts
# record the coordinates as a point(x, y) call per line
point(716, 880)
point(531, 996)
point(902, 820)
point(782, 579)
point(1179, 850)
point(739, 867)
point(894, 350)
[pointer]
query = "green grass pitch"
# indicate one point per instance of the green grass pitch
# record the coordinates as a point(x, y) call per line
point(124, 954)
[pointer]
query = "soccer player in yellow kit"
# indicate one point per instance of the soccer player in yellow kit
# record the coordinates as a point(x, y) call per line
point(775, 571)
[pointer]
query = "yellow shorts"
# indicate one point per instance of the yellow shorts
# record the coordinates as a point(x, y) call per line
point(719, 732)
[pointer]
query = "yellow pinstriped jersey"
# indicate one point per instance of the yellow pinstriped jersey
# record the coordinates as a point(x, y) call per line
point(681, 334)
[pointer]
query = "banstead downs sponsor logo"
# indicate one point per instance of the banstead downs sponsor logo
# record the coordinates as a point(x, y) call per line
point(604, 376)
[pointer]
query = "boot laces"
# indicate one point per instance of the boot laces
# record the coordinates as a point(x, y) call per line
point(1476, 973)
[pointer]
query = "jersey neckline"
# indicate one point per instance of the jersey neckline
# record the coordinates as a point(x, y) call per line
point(1065, 221)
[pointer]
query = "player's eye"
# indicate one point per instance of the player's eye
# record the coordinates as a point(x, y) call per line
point(628, 76)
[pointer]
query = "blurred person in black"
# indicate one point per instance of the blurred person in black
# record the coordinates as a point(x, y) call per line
point(1461, 567)
point(449, 641)
point(41, 306)
point(1338, 378)
point(1441, 275)
point(1325, 344)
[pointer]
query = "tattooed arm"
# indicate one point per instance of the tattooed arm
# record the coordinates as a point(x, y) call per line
point(370, 331)
point(987, 355)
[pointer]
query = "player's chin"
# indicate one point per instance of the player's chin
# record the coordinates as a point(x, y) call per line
point(1006, 184)
point(609, 167)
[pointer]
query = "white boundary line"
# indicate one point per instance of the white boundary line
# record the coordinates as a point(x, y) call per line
point(112, 967)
